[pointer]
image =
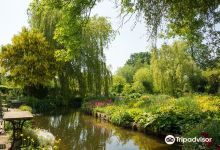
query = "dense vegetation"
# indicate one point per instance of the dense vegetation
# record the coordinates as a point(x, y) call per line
point(169, 70)
point(162, 114)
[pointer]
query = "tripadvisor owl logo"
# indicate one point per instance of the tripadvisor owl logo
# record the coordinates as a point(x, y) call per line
point(169, 139)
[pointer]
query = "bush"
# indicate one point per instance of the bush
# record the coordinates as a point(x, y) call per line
point(207, 129)
point(40, 105)
point(29, 138)
point(146, 119)
point(133, 96)
point(162, 113)
point(37, 139)
point(25, 108)
point(121, 118)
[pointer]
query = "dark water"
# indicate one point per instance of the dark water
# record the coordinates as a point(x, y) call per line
point(82, 132)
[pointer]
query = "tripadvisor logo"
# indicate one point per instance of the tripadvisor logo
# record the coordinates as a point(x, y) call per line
point(170, 139)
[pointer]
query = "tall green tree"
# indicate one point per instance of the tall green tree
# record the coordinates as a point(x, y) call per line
point(135, 62)
point(29, 60)
point(172, 68)
point(139, 59)
point(195, 21)
point(80, 42)
point(118, 85)
point(127, 71)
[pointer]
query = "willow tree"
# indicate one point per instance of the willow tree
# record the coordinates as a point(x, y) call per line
point(80, 42)
point(29, 61)
point(195, 21)
point(172, 68)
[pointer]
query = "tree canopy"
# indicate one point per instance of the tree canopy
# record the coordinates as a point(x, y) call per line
point(172, 67)
point(79, 41)
point(29, 60)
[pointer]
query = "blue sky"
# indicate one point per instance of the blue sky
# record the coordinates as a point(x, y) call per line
point(13, 16)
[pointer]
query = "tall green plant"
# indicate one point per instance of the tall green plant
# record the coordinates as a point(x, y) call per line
point(172, 68)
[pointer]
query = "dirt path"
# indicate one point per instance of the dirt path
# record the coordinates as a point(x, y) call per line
point(5, 142)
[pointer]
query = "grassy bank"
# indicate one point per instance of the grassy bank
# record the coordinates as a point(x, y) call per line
point(187, 116)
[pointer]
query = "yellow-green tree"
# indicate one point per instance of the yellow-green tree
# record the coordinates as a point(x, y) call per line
point(172, 67)
point(119, 83)
point(28, 60)
point(142, 80)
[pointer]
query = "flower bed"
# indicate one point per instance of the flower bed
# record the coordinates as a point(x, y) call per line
point(160, 114)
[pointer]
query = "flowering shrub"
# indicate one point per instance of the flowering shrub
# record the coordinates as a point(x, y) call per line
point(96, 103)
point(160, 112)
point(102, 103)
point(207, 129)
point(39, 139)
point(45, 138)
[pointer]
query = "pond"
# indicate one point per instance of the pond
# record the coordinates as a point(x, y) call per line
point(82, 132)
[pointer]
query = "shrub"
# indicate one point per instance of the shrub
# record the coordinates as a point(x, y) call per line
point(121, 118)
point(29, 138)
point(145, 119)
point(134, 112)
point(207, 129)
point(162, 113)
point(40, 105)
point(25, 108)
point(37, 139)
point(133, 96)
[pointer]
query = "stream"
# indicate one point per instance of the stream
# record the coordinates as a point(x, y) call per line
point(78, 131)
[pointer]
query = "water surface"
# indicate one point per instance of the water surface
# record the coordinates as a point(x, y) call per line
point(82, 132)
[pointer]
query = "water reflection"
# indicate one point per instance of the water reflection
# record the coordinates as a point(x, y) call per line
point(82, 132)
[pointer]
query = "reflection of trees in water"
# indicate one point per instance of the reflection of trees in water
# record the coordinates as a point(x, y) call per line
point(76, 131)
point(82, 132)
point(139, 139)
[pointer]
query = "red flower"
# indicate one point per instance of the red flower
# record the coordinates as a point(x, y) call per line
point(218, 148)
point(204, 134)
point(209, 144)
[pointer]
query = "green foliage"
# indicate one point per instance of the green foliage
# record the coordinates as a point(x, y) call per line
point(142, 81)
point(127, 71)
point(118, 84)
point(44, 18)
point(30, 139)
point(25, 108)
point(174, 77)
point(161, 113)
point(127, 89)
point(79, 42)
point(209, 128)
point(135, 62)
point(212, 77)
point(132, 96)
point(188, 19)
point(6, 89)
point(121, 118)
point(138, 59)
point(29, 60)
point(40, 105)
point(192, 21)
